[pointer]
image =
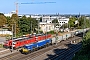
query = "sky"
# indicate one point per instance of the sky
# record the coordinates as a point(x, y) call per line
point(61, 6)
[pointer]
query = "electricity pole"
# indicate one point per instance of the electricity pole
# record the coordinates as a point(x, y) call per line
point(15, 29)
point(38, 26)
point(84, 27)
point(46, 29)
point(12, 37)
point(31, 27)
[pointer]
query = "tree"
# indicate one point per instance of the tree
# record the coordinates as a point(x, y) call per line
point(34, 24)
point(1, 14)
point(86, 43)
point(14, 21)
point(64, 25)
point(3, 20)
point(55, 21)
point(40, 19)
point(25, 25)
point(84, 53)
point(71, 22)
point(81, 22)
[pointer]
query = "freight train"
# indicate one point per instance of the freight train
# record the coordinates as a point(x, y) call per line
point(49, 41)
point(20, 42)
point(36, 41)
point(46, 42)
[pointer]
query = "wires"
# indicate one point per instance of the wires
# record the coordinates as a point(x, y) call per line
point(38, 2)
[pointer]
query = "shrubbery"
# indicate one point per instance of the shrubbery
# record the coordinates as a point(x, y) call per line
point(84, 53)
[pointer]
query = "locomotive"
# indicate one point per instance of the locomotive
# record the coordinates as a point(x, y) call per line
point(20, 42)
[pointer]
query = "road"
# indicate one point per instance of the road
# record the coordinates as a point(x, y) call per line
point(2, 39)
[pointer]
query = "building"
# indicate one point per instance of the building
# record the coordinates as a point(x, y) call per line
point(63, 20)
point(49, 18)
point(5, 32)
point(46, 27)
point(47, 21)
point(10, 14)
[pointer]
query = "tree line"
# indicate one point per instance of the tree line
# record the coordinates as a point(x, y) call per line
point(82, 22)
point(27, 25)
point(84, 53)
point(22, 25)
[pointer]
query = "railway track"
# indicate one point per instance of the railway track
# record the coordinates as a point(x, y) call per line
point(18, 55)
point(63, 55)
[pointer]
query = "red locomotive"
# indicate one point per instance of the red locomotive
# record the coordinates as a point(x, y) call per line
point(20, 42)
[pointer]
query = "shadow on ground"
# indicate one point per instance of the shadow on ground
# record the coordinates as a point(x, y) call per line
point(59, 52)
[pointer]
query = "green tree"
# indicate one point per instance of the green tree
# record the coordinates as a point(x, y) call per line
point(40, 19)
point(86, 42)
point(84, 53)
point(81, 22)
point(24, 25)
point(1, 14)
point(64, 26)
point(14, 21)
point(55, 21)
point(34, 24)
point(3, 20)
point(71, 22)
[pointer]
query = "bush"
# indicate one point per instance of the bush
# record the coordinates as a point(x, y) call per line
point(84, 53)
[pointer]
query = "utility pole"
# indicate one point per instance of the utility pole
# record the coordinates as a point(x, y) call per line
point(12, 37)
point(46, 29)
point(15, 29)
point(38, 26)
point(67, 25)
point(89, 21)
point(31, 27)
point(56, 30)
point(84, 27)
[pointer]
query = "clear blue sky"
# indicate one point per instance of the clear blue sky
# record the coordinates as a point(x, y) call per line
point(61, 6)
